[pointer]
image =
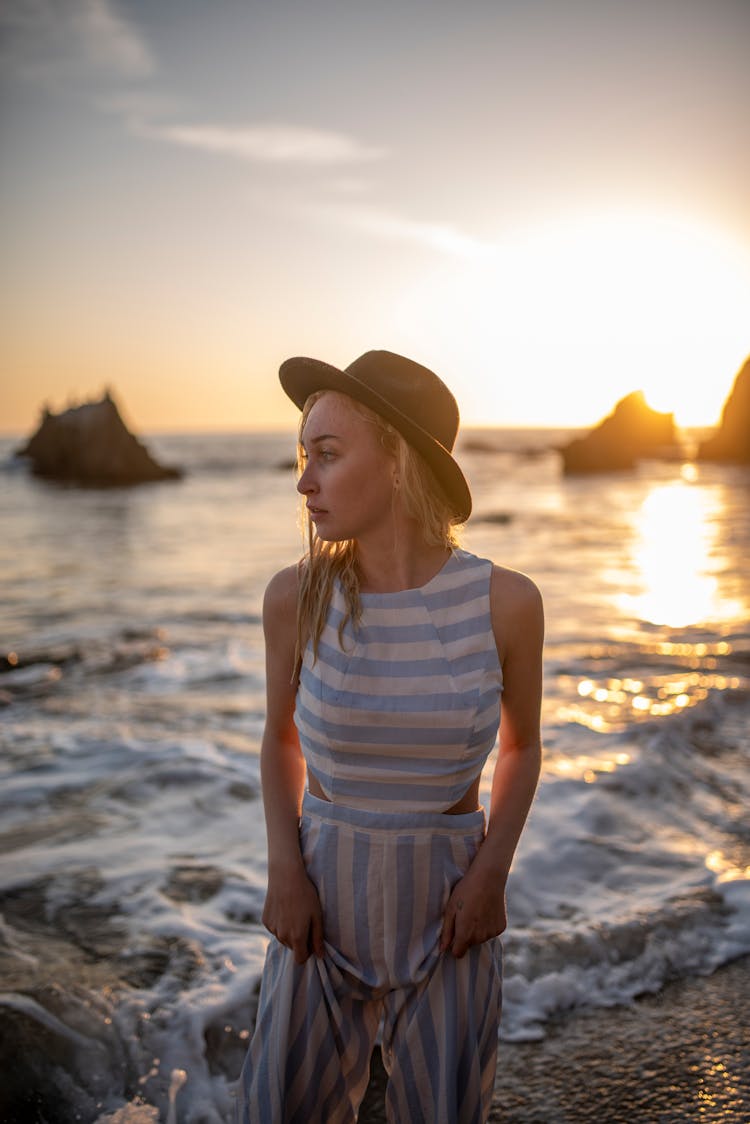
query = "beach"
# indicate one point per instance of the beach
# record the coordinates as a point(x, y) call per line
point(680, 1055)
point(132, 840)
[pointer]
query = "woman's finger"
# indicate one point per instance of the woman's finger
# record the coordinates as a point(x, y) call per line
point(300, 949)
point(460, 943)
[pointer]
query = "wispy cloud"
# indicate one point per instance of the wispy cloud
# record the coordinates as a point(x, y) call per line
point(269, 144)
point(51, 38)
point(442, 237)
point(146, 114)
point(109, 37)
point(140, 109)
point(43, 39)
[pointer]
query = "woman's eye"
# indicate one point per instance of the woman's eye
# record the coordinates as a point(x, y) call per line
point(327, 454)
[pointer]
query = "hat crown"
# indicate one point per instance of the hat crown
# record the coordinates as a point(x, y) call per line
point(407, 395)
point(413, 390)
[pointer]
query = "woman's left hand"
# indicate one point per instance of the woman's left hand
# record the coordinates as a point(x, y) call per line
point(475, 911)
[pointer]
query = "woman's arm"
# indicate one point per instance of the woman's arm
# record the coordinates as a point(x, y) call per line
point(292, 909)
point(476, 908)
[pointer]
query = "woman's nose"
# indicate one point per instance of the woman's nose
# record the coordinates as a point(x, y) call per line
point(305, 483)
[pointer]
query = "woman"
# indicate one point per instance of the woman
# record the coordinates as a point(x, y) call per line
point(387, 650)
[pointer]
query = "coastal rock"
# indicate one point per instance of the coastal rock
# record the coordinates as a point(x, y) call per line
point(632, 431)
point(731, 442)
point(90, 444)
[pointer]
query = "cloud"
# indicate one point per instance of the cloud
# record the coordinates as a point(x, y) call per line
point(269, 144)
point(108, 37)
point(138, 109)
point(443, 237)
point(46, 40)
point(288, 145)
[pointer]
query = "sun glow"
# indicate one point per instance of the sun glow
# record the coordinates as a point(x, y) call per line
point(560, 321)
point(673, 559)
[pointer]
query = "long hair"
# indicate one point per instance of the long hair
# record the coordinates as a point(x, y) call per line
point(423, 500)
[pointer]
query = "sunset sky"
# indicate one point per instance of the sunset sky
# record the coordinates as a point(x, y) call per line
point(548, 202)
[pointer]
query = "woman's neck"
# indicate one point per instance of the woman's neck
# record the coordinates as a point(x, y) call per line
point(406, 563)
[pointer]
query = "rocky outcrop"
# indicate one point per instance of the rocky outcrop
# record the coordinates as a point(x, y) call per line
point(90, 444)
point(731, 442)
point(632, 431)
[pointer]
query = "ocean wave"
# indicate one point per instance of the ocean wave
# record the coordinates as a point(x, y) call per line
point(635, 864)
point(133, 858)
point(611, 964)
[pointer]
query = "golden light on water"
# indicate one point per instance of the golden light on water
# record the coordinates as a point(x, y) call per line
point(719, 1091)
point(725, 868)
point(585, 767)
point(670, 696)
point(673, 566)
point(673, 559)
point(604, 705)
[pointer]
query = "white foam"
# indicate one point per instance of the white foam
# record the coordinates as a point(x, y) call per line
point(631, 869)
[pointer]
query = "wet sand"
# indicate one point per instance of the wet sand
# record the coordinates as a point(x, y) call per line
point(682, 1055)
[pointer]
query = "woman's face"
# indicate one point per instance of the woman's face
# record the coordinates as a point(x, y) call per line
point(348, 477)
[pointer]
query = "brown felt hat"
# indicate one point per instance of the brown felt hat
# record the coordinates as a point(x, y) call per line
point(411, 397)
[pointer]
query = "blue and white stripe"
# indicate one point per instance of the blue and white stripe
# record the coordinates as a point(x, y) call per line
point(406, 712)
point(384, 880)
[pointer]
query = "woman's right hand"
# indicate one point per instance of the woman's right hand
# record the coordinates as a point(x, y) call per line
point(293, 913)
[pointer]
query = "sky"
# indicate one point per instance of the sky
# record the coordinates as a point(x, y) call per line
point(545, 201)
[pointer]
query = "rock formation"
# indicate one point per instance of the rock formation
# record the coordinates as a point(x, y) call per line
point(90, 444)
point(731, 442)
point(632, 431)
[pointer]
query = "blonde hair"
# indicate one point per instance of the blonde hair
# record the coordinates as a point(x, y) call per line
point(423, 500)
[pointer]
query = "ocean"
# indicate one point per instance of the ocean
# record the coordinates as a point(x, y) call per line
point(132, 841)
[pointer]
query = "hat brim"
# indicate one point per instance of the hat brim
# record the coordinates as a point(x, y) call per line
point(300, 377)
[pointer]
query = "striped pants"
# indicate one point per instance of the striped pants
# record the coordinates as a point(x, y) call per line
point(384, 880)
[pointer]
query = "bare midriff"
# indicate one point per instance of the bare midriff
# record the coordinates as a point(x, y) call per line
point(469, 802)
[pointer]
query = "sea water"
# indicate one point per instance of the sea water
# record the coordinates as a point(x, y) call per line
point(133, 858)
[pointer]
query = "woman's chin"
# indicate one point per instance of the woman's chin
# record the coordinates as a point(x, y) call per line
point(328, 534)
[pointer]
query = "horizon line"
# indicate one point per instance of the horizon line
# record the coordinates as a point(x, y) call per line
point(281, 430)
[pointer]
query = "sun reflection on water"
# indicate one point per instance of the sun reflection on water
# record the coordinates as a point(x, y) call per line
point(726, 869)
point(586, 767)
point(674, 558)
point(605, 704)
point(673, 573)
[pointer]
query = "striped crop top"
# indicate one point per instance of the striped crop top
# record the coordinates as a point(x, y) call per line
point(404, 716)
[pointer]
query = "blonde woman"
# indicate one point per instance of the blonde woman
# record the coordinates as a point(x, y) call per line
point(388, 649)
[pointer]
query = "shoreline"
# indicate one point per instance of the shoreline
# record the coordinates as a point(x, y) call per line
point(680, 1055)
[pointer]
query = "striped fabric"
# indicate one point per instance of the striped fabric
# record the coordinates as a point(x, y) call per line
point(405, 716)
point(395, 725)
point(383, 880)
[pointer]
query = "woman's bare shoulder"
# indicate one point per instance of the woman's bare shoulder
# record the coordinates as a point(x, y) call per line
point(284, 583)
point(515, 600)
point(280, 600)
point(514, 584)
